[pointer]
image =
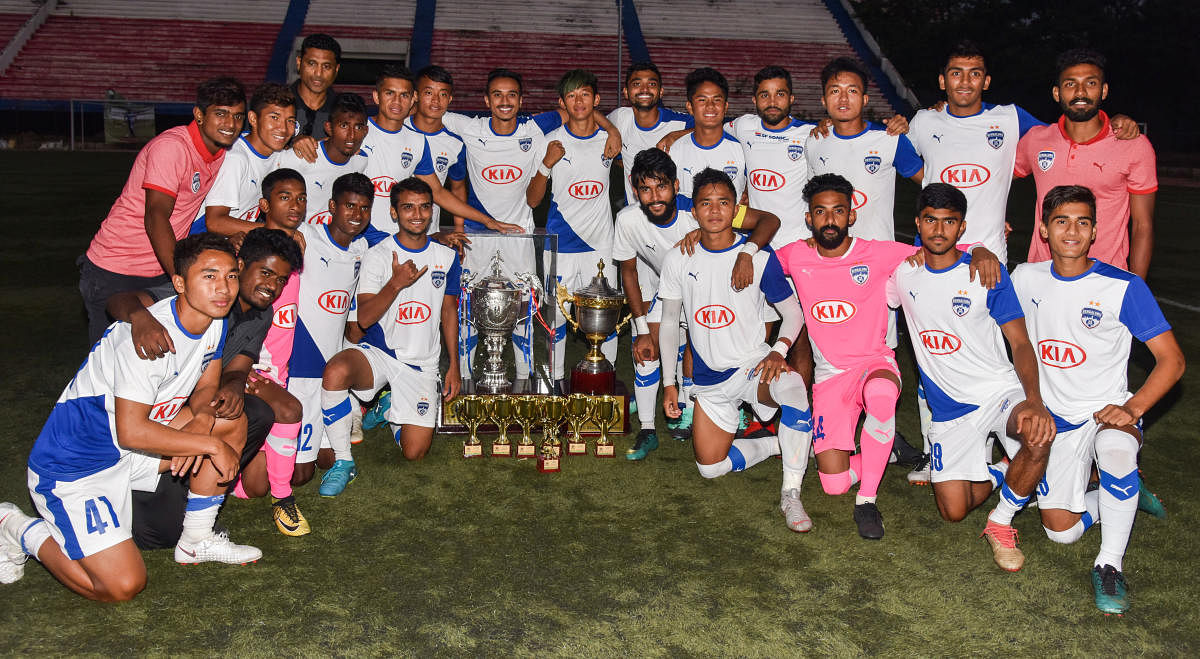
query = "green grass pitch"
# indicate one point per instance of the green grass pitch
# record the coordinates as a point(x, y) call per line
point(484, 557)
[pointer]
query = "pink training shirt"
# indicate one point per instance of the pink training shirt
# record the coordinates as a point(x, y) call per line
point(1113, 169)
point(277, 345)
point(176, 163)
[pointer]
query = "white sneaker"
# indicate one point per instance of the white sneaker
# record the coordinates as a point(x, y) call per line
point(356, 417)
point(793, 511)
point(12, 557)
point(216, 547)
point(922, 474)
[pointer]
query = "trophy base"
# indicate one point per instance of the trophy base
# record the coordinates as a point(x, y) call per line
point(548, 464)
point(501, 450)
point(526, 450)
point(576, 448)
point(584, 381)
point(472, 450)
point(605, 451)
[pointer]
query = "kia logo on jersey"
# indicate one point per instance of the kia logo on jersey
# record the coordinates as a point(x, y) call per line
point(502, 174)
point(383, 185)
point(165, 411)
point(412, 313)
point(334, 301)
point(714, 316)
point(766, 180)
point(859, 200)
point(833, 312)
point(250, 215)
point(586, 189)
point(1060, 354)
point(285, 317)
point(966, 175)
point(320, 218)
point(937, 342)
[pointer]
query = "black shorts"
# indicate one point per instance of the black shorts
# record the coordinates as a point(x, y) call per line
point(96, 285)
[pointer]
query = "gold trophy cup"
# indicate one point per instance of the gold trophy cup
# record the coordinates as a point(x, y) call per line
point(470, 409)
point(579, 410)
point(607, 412)
point(500, 411)
point(597, 313)
point(553, 409)
point(526, 410)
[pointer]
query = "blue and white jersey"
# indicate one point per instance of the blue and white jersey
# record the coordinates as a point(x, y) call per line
point(238, 185)
point(975, 154)
point(410, 330)
point(580, 212)
point(691, 158)
point(776, 172)
point(327, 285)
point(391, 156)
point(319, 177)
point(449, 160)
point(870, 161)
point(1081, 328)
point(954, 324)
point(638, 237)
point(725, 327)
point(635, 139)
point(501, 166)
point(80, 437)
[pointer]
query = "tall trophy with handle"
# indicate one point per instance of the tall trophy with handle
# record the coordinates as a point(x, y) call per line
point(596, 313)
point(496, 304)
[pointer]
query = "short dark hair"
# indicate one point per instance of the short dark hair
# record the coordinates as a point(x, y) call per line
point(710, 176)
point(576, 79)
point(278, 176)
point(347, 102)
point(262, 242)
point(354, 183)
point(641, 66)
point(222, 92)
point(703, 75)
point(844, 65)
point(770, 73)
point(966, 49)
point(942, 195)
point(652, 164)
point(189, 249)
point(272, 93)
point(826, 182)
point(410, 184)
point(322, 41)
point(505, 73)
point(1075, 57)
point(435, 73)
point(1067, 194)
point(393, 70)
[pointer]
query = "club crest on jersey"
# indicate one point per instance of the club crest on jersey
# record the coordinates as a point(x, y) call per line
point(872, 163)
point(438, 278)
point(961, 305)
point(526, 143)
point(995, 138)
point(406, 159)
point(441, 162)
point(795, 151)
point(195, 181)
point(1045, 160)
point(1091, 317)
point(422, 407)
point(731, 172)
point(860, 274)
point(605, 160)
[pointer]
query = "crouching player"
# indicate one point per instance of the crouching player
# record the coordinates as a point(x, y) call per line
point(1082, 313)
point(955, 325)
point(120, 422)
point(732, 364)
point(407, 296)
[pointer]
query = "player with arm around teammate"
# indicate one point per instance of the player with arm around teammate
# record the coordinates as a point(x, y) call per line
point(1081, 314)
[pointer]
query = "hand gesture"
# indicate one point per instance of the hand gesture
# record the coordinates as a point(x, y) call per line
point(770, 367)
point(645, 348)
point(687, 244)
point(404, 274)
point(554, 152)
point(305, 146)
point(150, 339)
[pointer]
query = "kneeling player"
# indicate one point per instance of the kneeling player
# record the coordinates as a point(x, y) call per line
point(955, 325)
point(121, 422)
point(407, 295)
point(732, 362)
point(1082, 314)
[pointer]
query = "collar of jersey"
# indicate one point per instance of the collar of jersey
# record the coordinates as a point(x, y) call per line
point(792, 124)
point(413, 127)
point(514, 130)
point(849, 251)
point(870, 126)
point(1105, 130)
point(325, 154)
point(964, 257)
point(581, 137)
point(193, 130)
point(242, 137)
point(668, 225)
point(175, 313)
point(737, 243)
point(657, 123)
point(724, 136)
point(1076, 277)
point(336, 243)
point(984, 108)
point(411, 251)
point(389, 132)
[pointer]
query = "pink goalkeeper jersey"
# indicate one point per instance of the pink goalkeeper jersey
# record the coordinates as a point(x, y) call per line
point(845, 299)
point(277, 345)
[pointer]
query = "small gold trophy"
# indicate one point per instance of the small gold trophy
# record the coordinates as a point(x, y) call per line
point(526, 411)
point(579, 409)
point(470, 410)
point(553, 409)
point(500, 411)
point(607, 412)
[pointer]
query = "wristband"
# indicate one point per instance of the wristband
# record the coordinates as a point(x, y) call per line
point(781, 347)
point(749, 248)
point(544, 170)
point(640, 326)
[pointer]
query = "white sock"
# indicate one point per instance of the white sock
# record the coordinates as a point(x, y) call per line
point(795, 427)
point(200, 516)
point(34, 536)
point(335, 410)
point(860, 499)
point(1008, 505)
point(997, 472)
point(926, 418)
point(1116, 460)
point(646, 378)
point(746, 452)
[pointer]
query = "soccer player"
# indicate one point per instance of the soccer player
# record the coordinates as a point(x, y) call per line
point(435, 92)
point(1081, 313)
point(318, 63)
point(958, 328)
point(732, 362)
point(709, 145)
point(645, 121)
point(407, 306)
point(333, 254)
point(1080, 149)
point(120, 422)
point(842, 286)
point(339, 154)
point(172, 174)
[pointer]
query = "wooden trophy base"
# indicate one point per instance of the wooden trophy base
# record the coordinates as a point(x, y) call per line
point(605, 451)
point(583, 382)
point(576, 448)
point(526, 450)
point(472, 450)
point(501, 450)
point(549, 464)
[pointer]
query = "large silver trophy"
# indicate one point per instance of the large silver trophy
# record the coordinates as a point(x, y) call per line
point(496, 304)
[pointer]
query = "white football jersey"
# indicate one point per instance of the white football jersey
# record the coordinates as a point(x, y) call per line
point(725, 327)
point(635, 139)
point(80, 437)
point(638, 237)
point(238, 185)
point(391, 156)
point(870, 161)
point(319, 177)
point(1081, 329)
point(954, 324)
point(449, 161)
point(691, 158)
point(580, 212)
point(327, 285)
point(975, 154)
point(776, 171)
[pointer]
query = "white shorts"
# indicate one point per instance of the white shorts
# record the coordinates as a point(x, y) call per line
point(414, 392)
point(312, 425)
point(1070, 468)
point(95, 512)
point(721, 402)
point(959, 449)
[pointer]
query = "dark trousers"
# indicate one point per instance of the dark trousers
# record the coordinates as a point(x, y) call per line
point(96, 285)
